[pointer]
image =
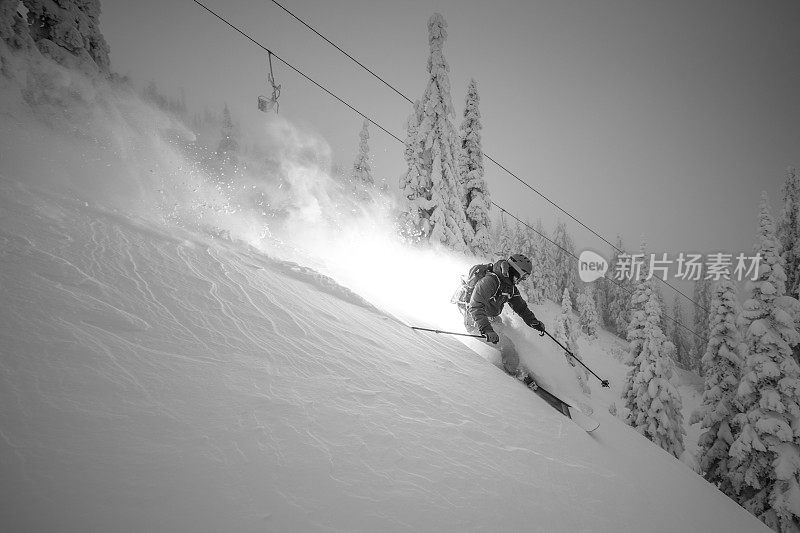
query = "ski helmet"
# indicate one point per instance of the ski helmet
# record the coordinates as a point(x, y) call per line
point(521, 264)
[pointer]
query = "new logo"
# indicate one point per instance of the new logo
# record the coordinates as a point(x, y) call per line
point(591, 266)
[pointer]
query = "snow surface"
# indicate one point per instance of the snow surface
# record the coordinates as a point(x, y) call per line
point(157, 380)
point(170, 362)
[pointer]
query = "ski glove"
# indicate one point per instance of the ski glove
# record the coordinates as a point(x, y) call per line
point(491, 336)
point(536, 324)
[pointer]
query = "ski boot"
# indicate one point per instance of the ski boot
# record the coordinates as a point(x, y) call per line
point(527, 379)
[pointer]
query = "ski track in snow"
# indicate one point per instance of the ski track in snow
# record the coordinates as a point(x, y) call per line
point(159, 383)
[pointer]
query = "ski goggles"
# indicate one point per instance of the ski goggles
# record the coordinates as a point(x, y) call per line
point(521, 276)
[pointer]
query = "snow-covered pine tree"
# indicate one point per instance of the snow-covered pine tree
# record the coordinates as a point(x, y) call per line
point(477, 202)
point(663, 305)
point(446, 220)
point(620, 307)
point(600, 294)
point(654, 405)
point(14, 30)
point(604, 294)
point(669, 333)
point(619, 296)
point(521, 245)
point(228, 147)
point(67, 32)
point(765, 454)
point(635, 283)
point(722, 363)
point(548, 268)
point(362, 181)
point(524, 242)
point(415, 185)
point(587, 312)
point(547, 254)
point(677, 335)
point(566, 332)
point(702, 299)
point(534, 285)
point(519, 240)
point(504, 240)
point(789, 230)
point(694, 356)
point(789, 238)
point(564, 264)
point(669, 351)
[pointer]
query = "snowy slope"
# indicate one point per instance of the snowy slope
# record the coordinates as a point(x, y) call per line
point(153, 379)
point(172, 357)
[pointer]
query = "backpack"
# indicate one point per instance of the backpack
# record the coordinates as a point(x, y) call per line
point(463, 295)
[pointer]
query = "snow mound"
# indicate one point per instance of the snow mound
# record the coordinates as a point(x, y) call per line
point(320, 281)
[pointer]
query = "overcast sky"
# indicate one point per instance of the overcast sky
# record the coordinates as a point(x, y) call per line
point(640, 117)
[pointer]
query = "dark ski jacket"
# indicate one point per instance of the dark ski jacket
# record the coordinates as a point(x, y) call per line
point(491, 293)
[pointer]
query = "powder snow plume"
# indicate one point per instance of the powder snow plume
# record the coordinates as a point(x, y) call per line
point(104, 145)
point(356, 243)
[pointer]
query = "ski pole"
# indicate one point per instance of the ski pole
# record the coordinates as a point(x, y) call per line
point(603, 382)
point(448, 332)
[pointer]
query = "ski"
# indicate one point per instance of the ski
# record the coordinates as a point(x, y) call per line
point(584, 421)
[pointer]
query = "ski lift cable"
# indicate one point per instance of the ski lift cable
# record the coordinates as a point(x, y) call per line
point(606, 278)
point(487, 156)
point(356, 61)
point(398, 139)
point(295, 69)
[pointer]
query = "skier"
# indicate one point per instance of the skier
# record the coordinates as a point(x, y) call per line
point(496, 288)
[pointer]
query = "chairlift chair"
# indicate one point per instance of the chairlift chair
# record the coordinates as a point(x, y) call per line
point(266, 104)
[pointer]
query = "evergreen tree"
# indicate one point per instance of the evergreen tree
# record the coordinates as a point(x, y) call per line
point(505, 238)
point(693, 357)
point(415, 184)
point(548, 259)
point(519, 240)
point(789, 231)
point(440, 216)
point(663, 306)
point(702, 299)
point(600, 294)
point(765, 454)
point(588, 312)
point(789, 238)
point(722, 363)
point(669, 332)
point(534, 285)
point(67, 32)
point(521, 244)
point(525, 242)
point(470, 168)
point(654, 405)
point(619, 297)
point(362, 181)
point(566, 332)
point(677, 335)
point(605, 292)
point(564, 264)
point(228, 147)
